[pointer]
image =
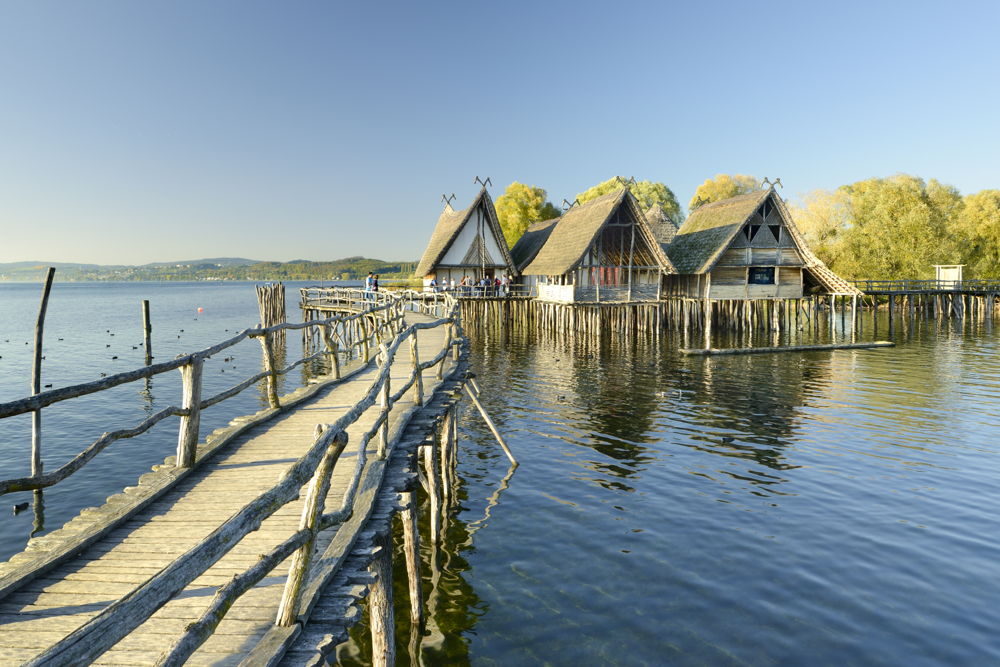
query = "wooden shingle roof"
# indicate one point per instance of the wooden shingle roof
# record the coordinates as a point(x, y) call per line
point(450, 223)
point(557, 246)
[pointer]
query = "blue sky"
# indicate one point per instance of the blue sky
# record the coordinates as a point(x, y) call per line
point(136, 132)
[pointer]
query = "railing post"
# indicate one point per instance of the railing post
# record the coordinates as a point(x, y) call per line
point(385, 402)
point(187, 437)
point(365, 342)
point(418, 385)
point(331, 349)
point(453, 341)
point(272, 371)
point(312, 510)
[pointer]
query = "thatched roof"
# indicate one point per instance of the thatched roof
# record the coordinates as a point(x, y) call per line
point(662, 226)
point(449, 225)
point(710, 228)
point(531, 242)
point(557, 246)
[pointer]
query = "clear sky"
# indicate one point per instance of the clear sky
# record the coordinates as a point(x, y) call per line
point(134, 132)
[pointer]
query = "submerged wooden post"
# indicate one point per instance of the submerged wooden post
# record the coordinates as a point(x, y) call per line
point(490, 424)
point(411, 548)
point(36, 377)
point(147, 332)
point(444, 455)
point(433, 489)
point(380, 605)
point(187, 437)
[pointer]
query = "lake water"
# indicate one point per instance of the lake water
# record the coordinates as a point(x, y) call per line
point(807, 508)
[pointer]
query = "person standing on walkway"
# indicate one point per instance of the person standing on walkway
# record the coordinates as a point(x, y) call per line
point(370, 287)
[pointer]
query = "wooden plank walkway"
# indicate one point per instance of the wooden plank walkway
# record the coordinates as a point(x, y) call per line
point(50, 607)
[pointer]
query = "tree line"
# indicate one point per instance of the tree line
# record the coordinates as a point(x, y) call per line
point(888, 228)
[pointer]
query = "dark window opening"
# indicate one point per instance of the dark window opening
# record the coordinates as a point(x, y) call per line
point(776, 230)
point(761, 275)
point(765, 210)
point(752, 231)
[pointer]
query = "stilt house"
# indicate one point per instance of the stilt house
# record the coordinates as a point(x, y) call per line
point(603, 250)
point(467, 243)
point(747, 247)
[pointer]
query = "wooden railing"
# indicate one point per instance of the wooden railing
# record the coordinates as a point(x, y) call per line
point(361, 330)
point(927, 285)
point(317, 464)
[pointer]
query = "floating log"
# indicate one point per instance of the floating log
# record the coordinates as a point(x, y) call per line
point(787, 348)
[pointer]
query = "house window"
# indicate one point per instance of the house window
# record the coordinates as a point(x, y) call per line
point(761, 275)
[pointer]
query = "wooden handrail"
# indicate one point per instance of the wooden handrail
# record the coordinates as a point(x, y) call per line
point(121, 617)
point(190, 366)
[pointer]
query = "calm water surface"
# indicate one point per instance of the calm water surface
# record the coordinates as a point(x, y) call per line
point(808, 508)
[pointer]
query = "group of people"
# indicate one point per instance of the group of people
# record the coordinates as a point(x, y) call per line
point(498, 286)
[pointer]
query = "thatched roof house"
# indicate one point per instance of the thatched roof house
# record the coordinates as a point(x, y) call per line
point(603, 250)
point(467, 243)
point(747, 247)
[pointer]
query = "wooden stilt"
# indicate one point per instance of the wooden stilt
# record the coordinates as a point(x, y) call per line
point(380, 611)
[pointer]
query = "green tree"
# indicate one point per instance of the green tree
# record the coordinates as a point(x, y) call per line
point(977, 230)
point(647, 193)
point(723, 186)
point(823, 219)
point(519, 206)
point(887, 228)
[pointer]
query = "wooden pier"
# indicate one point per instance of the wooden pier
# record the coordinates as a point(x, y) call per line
point(255, 545)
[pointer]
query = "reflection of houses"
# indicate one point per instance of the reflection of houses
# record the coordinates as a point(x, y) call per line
point(466, 243)
point(603, 250)
point(747, 247)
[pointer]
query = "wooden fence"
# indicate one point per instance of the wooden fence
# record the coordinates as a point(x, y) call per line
point(378, 323)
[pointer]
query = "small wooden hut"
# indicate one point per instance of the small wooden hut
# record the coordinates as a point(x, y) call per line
point(467, 243)
point(747, 247)
point(603, 250)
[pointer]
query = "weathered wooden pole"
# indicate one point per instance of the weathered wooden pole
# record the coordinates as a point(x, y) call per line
point(312, 510)
point(147, 332)
point(490, 424)
point(270, 365)
point(444, 455)
point(36, 376)
point(187, 436)
point(433, 489)
point(380, 605)
point(411, 549)
point(418, 384)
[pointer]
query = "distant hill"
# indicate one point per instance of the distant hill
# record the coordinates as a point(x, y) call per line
point(219, 268)
point(216, 261)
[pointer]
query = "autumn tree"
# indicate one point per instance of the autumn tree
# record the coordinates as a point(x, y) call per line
point(647, 193)
point(519, 206)
point(977, 228)
point(723, 186)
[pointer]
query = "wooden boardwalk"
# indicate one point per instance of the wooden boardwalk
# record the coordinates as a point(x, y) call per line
point(47, 609)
